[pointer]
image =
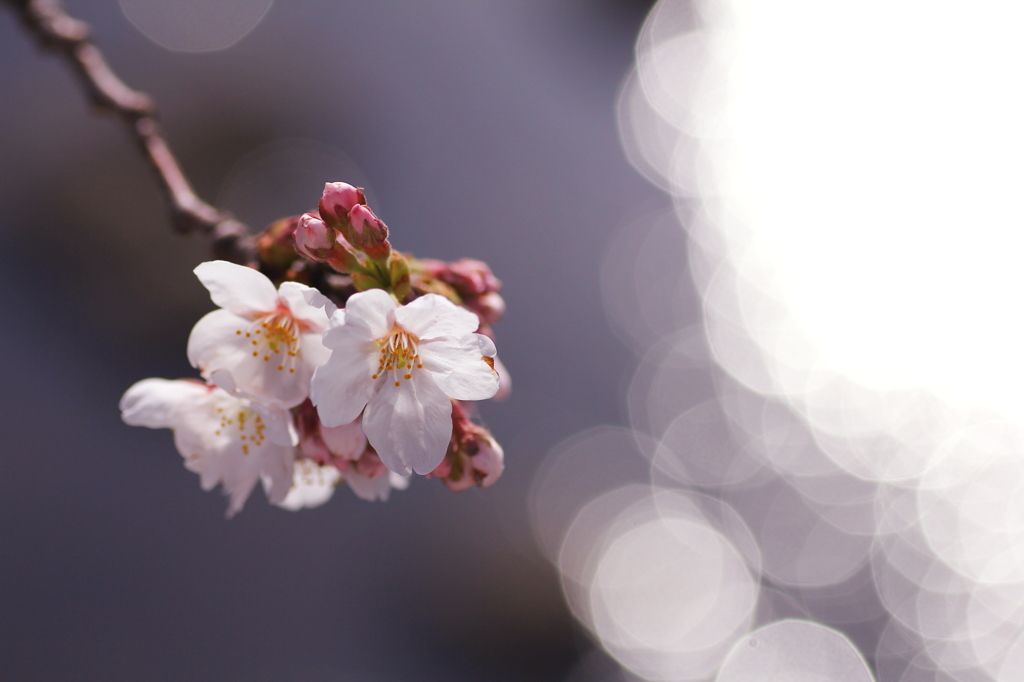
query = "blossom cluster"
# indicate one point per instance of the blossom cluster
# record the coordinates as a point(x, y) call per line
point(354, 368)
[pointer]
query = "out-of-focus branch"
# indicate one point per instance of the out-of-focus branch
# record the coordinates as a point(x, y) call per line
point(54, 29)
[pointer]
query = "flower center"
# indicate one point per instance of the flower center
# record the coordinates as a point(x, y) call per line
point(275, 337)
point(247, 424)
point(399, 353)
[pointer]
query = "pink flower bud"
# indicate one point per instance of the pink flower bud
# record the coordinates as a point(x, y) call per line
point(337, 445)
point(487, 463)
point(346, 441)
point(313, 238)
point(490, 307)
point(338, 200)
point(474, 458)
point(369, 465)
point(369, 234)
point(471, 277)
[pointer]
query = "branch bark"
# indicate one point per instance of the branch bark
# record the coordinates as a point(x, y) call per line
point(57, 31)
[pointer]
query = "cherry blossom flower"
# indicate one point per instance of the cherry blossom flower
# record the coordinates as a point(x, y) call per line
point(402, 364)
point(312, 485)
point(225, 439)
point(263, 343)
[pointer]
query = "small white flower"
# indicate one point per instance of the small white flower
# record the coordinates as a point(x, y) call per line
point(227, 440)
point(402, 364)
point(312, 485)
point(264, 343)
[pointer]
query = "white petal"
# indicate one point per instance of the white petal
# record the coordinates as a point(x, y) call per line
point(369, 489)
point(313, 352)
point(279, 424)
point(155, 402)
point(215, 345)
point(214, 342)
point(398, 482)
point(277, 466)
point(409, 425)
point(318, 300)
point(341, 388)
point(459, 368)
point(346, 441)
point(294, 296)
point(239, 475)
point(431, 316)
point(312, 485)
point(244, 291)
point(373, 310)
point(338, 320)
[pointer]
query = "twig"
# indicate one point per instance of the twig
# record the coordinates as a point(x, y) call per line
point(54, 29)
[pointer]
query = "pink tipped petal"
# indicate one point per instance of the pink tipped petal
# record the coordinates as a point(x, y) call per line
point(459, 367)
point(409, 425)
point(244, 291)
point(341, 388)
point(155, 403)
point(432, 316)
point(295, 297)
point(373, 310)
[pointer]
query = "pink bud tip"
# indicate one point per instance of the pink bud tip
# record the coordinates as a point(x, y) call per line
point(360, 217)
point(313, 238)
point(340, 197)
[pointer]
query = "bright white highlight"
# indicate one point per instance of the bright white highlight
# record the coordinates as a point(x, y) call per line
point(794, 651)
point(848, 177)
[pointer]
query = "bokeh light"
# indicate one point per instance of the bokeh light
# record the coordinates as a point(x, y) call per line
point(195, 25)
point(846, 381)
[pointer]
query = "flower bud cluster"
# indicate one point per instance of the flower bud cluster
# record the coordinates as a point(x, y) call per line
point(302, 395)
point(472, 282)
point(348, 236)
point(473, 457)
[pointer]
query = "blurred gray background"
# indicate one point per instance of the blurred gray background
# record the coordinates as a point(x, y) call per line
point(482, 129)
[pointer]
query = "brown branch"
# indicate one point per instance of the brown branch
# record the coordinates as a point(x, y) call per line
point(55, 30)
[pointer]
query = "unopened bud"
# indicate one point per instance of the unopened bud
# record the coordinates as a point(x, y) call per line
point(368, 233)
point(471, 277)
point(473, 458)
point(398, 269)
point(274, 246)
point(490, 307)
point(338, 200)
point(314, 239)
point(488, 463)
